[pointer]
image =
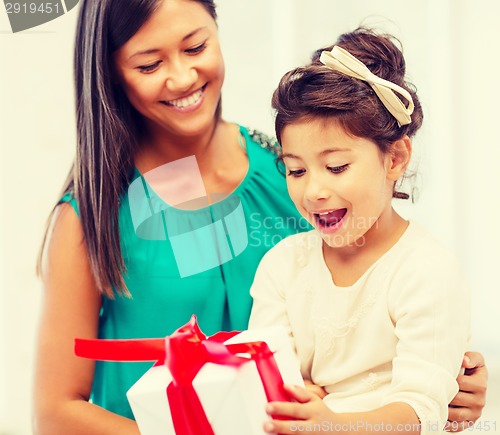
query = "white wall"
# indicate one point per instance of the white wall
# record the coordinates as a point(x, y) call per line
point(36, 146)
point(451, 49)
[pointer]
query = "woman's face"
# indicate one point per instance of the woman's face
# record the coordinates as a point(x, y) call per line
point(172, 69)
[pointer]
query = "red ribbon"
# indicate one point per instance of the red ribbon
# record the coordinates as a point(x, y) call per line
point(185, 352)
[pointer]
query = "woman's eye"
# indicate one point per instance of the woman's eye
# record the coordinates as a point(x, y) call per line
point(337, 169)
point(296, 173)
point(197, 49)
point(149, 68)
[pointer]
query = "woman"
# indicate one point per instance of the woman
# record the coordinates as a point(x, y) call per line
point(148, 82)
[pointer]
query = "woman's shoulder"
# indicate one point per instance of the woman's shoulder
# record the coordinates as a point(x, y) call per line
point(261, 139)
point(69, 199)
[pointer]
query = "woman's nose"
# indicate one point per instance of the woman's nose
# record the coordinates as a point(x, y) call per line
point(181, 77)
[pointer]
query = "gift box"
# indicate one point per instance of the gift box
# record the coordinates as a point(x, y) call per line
point(206, 385)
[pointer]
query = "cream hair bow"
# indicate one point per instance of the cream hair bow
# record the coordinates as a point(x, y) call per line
point(341, 60)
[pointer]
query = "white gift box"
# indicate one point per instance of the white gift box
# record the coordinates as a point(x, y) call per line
point(233, 398)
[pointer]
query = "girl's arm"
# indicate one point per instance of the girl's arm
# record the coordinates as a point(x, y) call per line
point(309, 414)
point(467, 406)
point(268, 294)
point(71, 304)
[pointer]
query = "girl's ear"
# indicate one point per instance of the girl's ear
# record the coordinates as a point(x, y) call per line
point(398, 158)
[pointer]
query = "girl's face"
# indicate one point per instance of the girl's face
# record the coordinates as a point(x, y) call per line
point(341, 184)
point(172, 69)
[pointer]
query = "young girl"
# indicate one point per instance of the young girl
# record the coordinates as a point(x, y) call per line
point(148, 91)
point(377, 310)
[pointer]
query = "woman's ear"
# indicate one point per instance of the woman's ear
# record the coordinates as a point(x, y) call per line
point(398, 158)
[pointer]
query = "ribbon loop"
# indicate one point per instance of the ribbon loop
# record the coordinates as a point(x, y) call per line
point(339, 59)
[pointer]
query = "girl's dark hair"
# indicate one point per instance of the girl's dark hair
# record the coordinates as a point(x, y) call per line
point(316, 91)
point(108, 130)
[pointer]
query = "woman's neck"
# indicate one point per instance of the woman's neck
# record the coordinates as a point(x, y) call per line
point(159, 146)
point(220, 158)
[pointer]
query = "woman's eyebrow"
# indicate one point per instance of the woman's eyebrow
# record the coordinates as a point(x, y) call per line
point(156, 50)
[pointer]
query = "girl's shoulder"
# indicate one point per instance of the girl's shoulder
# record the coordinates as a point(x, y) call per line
point(419, 249)
point(296, 250)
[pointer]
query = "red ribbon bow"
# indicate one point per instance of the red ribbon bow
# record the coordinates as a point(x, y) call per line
point(184, 353)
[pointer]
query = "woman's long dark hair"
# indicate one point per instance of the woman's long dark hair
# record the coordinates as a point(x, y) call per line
point(108, 129)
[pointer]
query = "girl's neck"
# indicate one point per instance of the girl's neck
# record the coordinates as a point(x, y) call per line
point(349, 263)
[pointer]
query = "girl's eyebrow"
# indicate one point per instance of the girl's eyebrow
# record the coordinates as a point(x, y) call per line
point(321, 154)
point(289, 156)
point(333, 150)
point(156, 50)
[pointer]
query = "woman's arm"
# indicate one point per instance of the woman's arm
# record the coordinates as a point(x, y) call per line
point(467, 406)
point(70, 309)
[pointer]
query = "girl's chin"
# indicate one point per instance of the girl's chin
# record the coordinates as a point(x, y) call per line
point(338, 241)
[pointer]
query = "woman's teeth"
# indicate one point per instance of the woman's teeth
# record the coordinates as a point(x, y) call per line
point(187, 101)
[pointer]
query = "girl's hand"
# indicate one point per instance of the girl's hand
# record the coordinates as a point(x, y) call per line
point(316, 389)
point(467, 406)
point(299, 417)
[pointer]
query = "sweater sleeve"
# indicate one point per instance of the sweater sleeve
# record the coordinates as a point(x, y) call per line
point(268, 293)
point(431, 312)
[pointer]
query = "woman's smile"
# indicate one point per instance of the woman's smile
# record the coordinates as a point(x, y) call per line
point(188, 103)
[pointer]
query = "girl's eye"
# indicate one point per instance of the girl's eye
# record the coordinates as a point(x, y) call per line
point(197, 49)
point(149, 68)
point(297, 173)
point(337, 169)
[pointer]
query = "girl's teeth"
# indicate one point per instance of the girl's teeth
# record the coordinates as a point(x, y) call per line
point(330, 218)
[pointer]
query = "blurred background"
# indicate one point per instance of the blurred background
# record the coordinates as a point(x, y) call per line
point(451, 47)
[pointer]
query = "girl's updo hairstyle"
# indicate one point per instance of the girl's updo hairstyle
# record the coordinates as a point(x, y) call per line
point(316, 91)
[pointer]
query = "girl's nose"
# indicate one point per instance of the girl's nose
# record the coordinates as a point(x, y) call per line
point(316, 189)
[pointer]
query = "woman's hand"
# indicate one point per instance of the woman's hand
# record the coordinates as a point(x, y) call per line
point(467, 406)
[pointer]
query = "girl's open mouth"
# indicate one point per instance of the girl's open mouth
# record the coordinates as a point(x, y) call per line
point(329, 219)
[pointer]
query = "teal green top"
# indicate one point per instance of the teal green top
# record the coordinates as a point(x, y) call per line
point(174, 271)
